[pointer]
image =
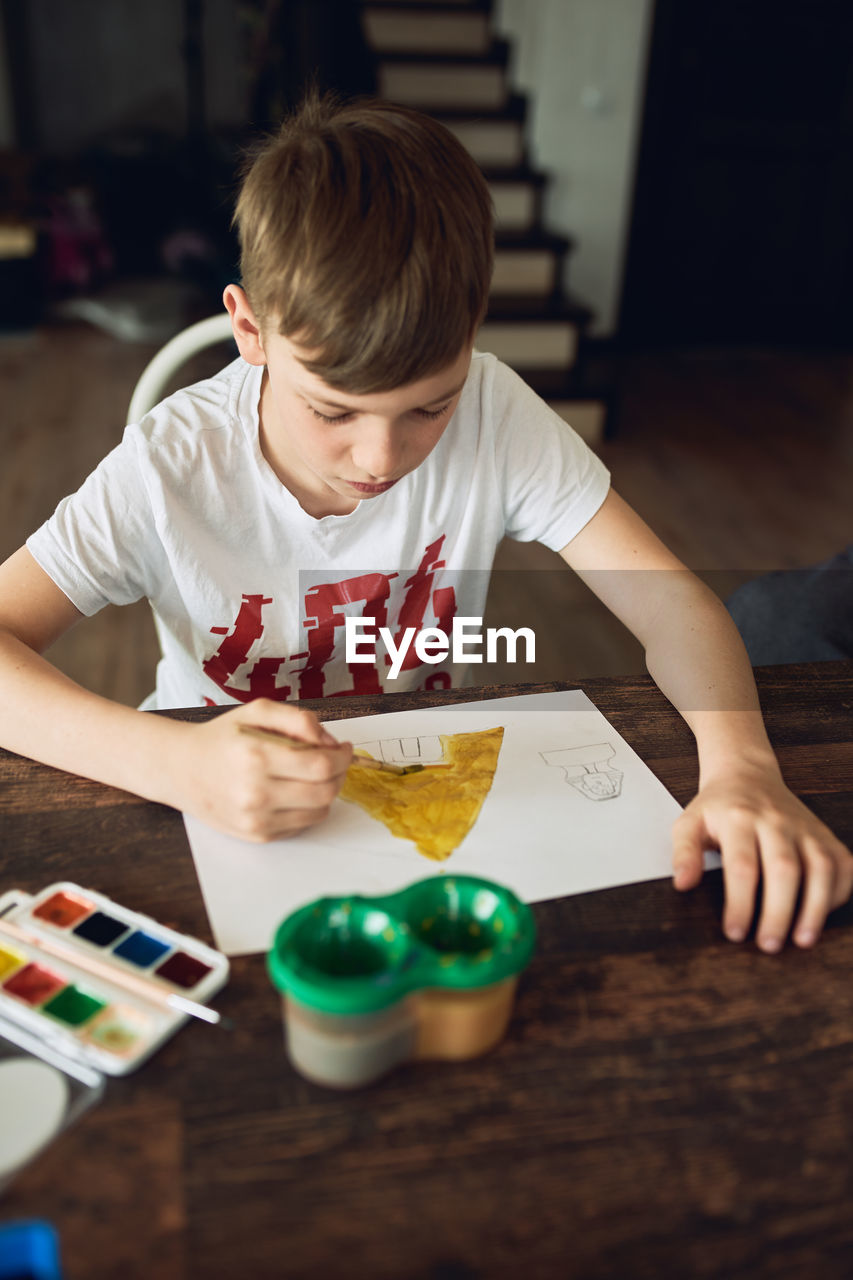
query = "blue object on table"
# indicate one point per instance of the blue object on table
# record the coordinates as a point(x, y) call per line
point(29, 1251)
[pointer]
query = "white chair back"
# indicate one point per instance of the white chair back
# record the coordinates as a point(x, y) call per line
point(158, 373)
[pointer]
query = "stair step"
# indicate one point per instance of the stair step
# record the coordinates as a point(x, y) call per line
point(526, 271)
point(531, 307)
point(515, 173)
point(538, 238)
point(530, 334)
point(446, 82)
point(498, 140)
point(527, 344)
point(429, 4)
point(517, 191)
point(517, 201)
point(441, 57)
point(439, 29)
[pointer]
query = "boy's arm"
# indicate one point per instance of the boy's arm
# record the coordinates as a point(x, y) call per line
point(254, 789)
point(696, 657)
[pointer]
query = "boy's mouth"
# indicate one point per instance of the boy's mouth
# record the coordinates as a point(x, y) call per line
point(371, 488)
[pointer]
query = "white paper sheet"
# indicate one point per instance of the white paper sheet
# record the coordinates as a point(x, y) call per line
point(571, 808)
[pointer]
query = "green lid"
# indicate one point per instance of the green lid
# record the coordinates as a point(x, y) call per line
point(361, 954)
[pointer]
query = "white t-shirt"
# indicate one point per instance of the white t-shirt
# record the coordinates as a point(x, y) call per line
point(250, 593)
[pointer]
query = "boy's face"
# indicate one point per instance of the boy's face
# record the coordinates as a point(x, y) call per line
point(332, 449)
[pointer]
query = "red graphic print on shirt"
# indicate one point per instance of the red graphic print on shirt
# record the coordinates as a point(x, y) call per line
point(234, 650)
point(324, 620)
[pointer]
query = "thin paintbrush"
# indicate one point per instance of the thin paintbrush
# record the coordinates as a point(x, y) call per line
point(361, 762)
point(99, 969)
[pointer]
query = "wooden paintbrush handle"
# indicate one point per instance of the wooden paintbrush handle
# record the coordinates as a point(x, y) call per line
point(363, 762)
point(270, 735)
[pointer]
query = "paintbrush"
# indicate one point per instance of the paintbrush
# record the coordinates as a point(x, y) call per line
point(361, 762)
point(99, 969)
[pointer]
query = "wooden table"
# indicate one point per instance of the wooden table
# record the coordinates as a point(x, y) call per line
point(665, 1104)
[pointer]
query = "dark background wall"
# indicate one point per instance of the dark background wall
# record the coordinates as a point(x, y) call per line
point(743, 217)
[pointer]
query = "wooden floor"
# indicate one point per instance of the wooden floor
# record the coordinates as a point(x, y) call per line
point(741, 461)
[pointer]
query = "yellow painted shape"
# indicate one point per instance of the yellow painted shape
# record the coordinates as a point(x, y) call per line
point(435, 808)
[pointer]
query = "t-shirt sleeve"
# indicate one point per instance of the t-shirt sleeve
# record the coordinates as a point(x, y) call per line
point(101, 545)
point(552, 482)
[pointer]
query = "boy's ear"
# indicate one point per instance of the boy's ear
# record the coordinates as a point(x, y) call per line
point(246, 329)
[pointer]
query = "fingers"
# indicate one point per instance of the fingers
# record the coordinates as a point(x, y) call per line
point(280, 790)
point(783, 871)
point(278, 824)
point(689, 840)
point(828, 885)
point(285, 718)
point(260, 806)
point(288, 730)
point(811, 867)
point(739, 852)
point(279, 778)
point(803, 870)
point(309, 764)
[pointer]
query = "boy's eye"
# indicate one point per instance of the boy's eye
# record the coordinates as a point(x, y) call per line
point(433, 413)
point(344, 417)
point(340, 417)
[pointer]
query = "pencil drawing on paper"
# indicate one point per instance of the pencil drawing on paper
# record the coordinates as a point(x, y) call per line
point(436, 807)
point(426, 748)
point(588, 769)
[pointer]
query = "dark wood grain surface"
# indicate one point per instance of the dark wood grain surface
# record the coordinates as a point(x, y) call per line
point(664, 1104)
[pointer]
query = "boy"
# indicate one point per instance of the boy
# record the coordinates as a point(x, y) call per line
point(359, 461)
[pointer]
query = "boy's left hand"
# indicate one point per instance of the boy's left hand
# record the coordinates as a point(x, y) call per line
point(763, 832)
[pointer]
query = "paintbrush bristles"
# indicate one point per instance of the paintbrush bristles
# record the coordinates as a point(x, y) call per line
point(368, 762)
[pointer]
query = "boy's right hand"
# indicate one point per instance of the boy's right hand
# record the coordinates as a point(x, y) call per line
point(255, 788)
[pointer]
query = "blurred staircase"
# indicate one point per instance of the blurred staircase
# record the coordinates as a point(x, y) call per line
point(441, 56)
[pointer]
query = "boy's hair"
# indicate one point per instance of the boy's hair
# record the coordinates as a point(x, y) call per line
point(366, 236)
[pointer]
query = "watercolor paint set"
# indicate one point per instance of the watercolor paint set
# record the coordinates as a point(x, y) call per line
point(87, 988)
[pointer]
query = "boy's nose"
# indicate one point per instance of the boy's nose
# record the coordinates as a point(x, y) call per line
point(377, 452)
